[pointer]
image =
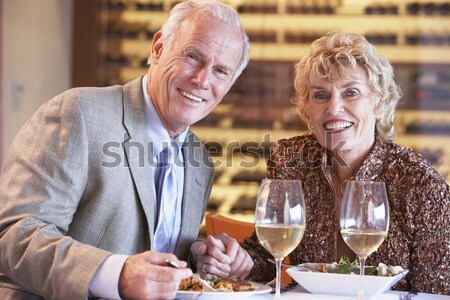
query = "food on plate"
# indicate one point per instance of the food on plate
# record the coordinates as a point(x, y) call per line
point(190, 284)
point(384, 270)
point(345, 266)
point(231, 284)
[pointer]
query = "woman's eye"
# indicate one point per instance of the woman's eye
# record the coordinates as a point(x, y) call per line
point(352, 93)
point(319, 96)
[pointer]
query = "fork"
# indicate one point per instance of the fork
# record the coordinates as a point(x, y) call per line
point(205, 284)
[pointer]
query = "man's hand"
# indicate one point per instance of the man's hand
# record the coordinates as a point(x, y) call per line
point(221, 256)
point(145, 276)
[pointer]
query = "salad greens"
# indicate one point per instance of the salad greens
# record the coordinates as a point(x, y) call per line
point(345, 266)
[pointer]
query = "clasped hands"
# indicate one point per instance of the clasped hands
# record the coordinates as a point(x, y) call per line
point(221, 256)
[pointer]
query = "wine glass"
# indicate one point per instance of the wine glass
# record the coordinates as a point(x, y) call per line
point(280, 219)
point(364, 220)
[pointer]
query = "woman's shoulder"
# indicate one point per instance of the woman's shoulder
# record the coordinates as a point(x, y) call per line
point(406, 156)
point(406, 161)
point(302, 151)
point(306, 139)
point(296, 147)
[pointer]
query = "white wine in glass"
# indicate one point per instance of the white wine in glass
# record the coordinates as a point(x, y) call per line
point(364, 220)
point(280, 219)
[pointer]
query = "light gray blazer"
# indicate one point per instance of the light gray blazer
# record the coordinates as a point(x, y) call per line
point(77, 186)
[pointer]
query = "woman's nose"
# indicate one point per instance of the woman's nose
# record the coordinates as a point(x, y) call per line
point(335, 105)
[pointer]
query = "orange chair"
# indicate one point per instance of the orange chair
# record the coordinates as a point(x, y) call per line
point(216, 223)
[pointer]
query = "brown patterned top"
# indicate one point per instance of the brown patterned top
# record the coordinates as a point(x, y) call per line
point(419, 200)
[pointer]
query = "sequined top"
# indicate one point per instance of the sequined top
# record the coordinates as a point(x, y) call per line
point(419, 201)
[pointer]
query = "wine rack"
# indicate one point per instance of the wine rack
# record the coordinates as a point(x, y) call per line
point(413, 35)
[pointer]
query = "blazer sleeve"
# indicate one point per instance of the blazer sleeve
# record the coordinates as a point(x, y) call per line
point(42, 181)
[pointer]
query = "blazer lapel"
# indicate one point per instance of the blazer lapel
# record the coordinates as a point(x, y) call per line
point(137, 148)
point(193, 205)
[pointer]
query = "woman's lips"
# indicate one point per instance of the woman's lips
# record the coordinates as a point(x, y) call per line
point(337, 126)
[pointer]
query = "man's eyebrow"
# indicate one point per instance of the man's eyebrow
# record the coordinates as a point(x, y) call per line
point(200, 54)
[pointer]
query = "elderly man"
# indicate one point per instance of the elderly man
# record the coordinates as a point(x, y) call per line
point(89, 205)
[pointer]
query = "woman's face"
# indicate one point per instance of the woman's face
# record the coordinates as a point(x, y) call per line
point(342, 113)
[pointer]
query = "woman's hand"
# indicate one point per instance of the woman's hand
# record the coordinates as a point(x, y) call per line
point(221, 256)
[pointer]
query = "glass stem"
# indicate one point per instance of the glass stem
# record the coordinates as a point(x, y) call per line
point(278, 280)
point(362, 264)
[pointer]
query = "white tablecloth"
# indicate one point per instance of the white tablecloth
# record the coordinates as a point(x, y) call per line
point(298, 293)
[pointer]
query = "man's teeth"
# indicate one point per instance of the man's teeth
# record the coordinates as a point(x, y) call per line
point(190, 96)
point(338, 125)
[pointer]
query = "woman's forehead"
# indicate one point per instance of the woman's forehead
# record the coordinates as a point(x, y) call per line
point(337, 73)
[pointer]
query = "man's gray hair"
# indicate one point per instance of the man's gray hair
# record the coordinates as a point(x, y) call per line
point(217, 10)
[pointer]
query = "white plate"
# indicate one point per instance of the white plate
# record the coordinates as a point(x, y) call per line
point(258, 289)
point(342, 284)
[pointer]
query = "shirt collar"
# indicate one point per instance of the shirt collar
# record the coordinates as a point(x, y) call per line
point(158, 135)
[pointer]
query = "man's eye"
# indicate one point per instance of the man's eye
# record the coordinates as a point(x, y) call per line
point(222, 71)
point(192, 56)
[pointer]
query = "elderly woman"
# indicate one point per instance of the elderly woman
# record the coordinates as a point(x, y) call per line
point(346, 94)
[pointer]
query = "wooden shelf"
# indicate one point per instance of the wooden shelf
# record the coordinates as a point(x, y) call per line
point(271, 69)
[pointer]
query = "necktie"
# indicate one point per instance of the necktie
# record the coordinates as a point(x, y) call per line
point(166, 192)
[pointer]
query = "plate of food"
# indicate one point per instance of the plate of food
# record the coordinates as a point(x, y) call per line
point(343, 278)
point(226, 288)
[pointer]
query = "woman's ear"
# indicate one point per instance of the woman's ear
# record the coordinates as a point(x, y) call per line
point(157, 47)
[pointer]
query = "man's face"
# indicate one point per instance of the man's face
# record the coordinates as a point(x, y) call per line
point(190, 79)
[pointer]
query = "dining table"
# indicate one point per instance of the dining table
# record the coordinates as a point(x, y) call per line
point(299, 293)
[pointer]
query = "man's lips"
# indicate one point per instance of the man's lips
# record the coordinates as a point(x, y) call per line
point(190, 96)
point(337, 126)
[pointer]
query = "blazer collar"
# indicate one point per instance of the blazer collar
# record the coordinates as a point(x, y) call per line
point(138, 153)
point(137, 148)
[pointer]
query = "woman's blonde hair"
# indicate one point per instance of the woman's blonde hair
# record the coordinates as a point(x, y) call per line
point(329, 59)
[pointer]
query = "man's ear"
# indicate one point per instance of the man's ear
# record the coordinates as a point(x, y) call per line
point(157, 47)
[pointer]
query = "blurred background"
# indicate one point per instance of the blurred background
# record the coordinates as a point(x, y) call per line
point(48, 46)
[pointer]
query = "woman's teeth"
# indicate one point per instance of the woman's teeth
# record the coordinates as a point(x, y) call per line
point(337, 125)
point(190, 96)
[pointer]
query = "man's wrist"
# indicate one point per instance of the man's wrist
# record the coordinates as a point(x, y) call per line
point(105, 283)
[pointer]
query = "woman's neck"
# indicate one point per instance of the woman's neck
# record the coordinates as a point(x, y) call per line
point(345, 164)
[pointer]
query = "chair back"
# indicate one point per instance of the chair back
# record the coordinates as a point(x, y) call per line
point(216, 223)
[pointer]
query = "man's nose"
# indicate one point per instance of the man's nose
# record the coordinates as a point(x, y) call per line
point(203, 78)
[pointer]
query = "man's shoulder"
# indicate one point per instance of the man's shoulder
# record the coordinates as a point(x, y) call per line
point(94, 94)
